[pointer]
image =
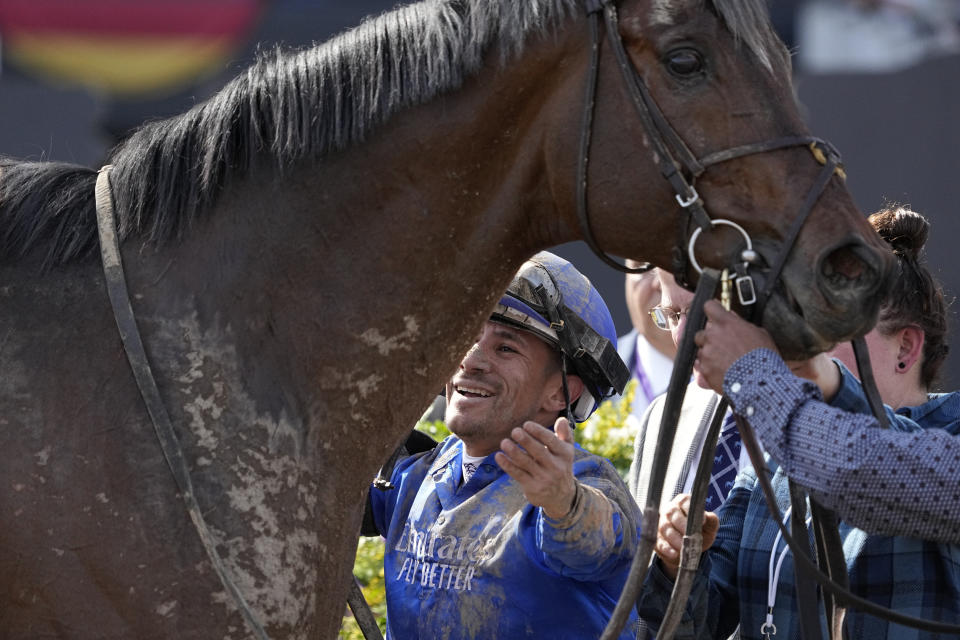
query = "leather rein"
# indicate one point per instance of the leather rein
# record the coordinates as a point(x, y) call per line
point(140, 365)
point(680, 167)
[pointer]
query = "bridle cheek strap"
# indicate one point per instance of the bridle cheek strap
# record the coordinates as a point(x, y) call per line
point(674, 158)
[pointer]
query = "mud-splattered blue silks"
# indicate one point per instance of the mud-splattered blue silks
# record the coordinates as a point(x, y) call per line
point(910, 575)
point(478, 561)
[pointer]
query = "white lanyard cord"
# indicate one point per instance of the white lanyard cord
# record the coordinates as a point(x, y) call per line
point(773, 577)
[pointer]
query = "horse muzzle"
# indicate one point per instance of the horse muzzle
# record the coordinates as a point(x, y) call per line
point(811, 311)
point(853, 273)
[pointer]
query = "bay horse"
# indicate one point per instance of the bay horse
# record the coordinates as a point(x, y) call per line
point(309, 253)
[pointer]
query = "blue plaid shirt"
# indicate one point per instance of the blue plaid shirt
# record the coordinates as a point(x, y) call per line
point(907, 574)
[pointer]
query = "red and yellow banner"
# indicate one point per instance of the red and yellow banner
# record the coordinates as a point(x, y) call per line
point(125, 46)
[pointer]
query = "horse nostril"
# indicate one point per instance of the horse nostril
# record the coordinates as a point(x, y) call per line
point(849, 266)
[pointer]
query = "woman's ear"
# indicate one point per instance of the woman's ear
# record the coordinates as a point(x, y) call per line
point(910, 347)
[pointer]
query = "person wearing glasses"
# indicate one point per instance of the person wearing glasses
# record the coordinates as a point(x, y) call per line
point(699, 405)
point(696, 413)
point(647, 351)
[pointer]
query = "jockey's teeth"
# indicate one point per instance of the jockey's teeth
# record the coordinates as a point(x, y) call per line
point(472, 393)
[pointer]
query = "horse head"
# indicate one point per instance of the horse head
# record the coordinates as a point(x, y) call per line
point(721, 114)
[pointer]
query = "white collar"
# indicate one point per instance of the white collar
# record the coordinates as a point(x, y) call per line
point(656, 366)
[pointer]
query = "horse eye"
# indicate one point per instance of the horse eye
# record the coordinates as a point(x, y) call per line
point(684, 62)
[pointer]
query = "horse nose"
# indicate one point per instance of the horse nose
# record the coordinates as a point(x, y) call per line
point(853, 273)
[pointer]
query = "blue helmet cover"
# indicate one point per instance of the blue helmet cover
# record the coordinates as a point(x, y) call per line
point(579, 294)
point(551, 298)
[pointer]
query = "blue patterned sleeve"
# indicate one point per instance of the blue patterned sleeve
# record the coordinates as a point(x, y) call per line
point(903, 481)
point(850, 397)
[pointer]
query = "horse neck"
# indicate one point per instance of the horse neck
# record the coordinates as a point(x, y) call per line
point(468, 171)
point(374, 268)
point(440, 207)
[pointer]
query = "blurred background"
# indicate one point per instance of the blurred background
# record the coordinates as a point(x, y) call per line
point(878, 78)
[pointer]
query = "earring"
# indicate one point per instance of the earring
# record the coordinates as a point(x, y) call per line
point(901, 365)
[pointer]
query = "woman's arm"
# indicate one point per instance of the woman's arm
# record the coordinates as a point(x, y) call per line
point(900, 481)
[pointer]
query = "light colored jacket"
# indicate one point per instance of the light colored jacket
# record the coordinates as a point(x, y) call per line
point(695, 414)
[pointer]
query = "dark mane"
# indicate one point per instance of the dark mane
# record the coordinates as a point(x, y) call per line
point(285, 108)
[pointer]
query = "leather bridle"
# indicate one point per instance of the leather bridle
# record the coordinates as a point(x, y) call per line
point(677, 163)
point(680, 168)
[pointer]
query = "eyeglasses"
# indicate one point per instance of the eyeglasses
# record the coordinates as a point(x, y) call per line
point(666, 318)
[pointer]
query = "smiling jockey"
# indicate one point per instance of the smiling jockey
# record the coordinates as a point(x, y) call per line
point(508, 529)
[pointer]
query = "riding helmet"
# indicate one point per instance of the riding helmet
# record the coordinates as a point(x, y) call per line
point(551, 299)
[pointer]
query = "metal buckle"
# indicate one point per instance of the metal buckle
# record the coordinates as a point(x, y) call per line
point(745, 290)
point(768, 629)
point(694, 196)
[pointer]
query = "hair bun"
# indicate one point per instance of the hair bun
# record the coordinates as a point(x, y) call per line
point(904, 230)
